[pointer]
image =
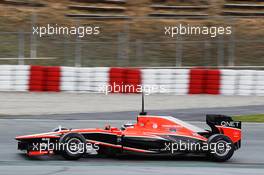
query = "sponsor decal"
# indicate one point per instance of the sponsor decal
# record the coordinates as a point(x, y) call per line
point(230, 124)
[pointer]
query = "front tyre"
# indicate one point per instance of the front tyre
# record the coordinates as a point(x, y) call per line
point(72, 146)
point(221, 148)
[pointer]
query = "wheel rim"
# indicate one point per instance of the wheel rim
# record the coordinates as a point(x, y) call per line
point(224, 150)
point(75, 146)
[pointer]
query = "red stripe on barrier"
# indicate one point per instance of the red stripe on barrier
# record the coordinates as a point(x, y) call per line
point(132, 80)
point(52, 79)
point(197, 81)
point(37, 78)
point(124, 80)
point(212, 84)
point(44, 78)
point(116, 79)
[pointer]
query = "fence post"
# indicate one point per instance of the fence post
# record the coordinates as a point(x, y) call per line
point(179, 51)
point(231, 49)
point(121, 49)
point(139, 50)
point(123, 46)
point(21, 48)
point(33, 38)
point(207, 53)
point(127, 42)
point(78, 52)
point(220, 51)
point(65, 51)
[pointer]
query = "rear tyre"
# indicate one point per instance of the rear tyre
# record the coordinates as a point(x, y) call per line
point(72, 146)
point(221, 148)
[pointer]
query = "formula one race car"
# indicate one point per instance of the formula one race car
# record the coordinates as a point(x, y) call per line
point(150, 135)
point(157, 135)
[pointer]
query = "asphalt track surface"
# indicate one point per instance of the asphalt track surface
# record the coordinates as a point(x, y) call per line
point(248, 160)
point(194, 114)
point(69, 103)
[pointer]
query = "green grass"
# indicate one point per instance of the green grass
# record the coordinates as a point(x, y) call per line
point(250, 118)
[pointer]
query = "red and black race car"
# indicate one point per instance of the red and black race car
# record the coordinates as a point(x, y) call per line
point(150, 135)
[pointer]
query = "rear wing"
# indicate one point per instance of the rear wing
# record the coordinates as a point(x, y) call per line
point(222, 124)
point(214, 120)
